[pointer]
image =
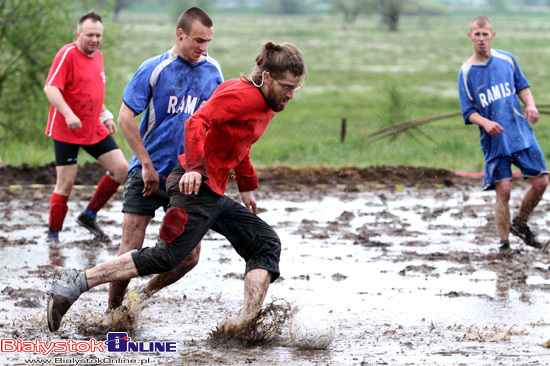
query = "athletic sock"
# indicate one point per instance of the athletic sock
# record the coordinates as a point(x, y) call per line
point(58, 210)
point(91, 213)
point(106, 188)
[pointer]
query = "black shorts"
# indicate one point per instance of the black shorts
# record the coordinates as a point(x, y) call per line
point(133, 200)
point(191, 216)
point(66, 153)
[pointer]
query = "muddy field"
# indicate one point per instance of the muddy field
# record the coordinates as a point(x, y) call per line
point(405, 261)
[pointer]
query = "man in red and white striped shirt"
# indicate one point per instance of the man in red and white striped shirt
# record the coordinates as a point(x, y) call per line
point(78, 118)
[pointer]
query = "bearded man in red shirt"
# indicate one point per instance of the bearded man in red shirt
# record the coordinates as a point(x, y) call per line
point(218, 138)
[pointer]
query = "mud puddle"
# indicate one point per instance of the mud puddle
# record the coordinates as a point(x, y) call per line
point(409, 277)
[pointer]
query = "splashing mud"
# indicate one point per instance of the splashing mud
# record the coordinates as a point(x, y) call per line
point(255, 329)
point(409, 275)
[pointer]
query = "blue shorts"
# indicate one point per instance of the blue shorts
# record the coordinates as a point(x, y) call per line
point(133, 200)
point(530, 161)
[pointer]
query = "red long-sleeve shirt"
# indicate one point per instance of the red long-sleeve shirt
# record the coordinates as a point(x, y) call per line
point(219, 135)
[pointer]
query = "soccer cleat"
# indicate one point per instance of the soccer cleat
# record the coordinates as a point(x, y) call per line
point(67, 286)
point(91, 224)
point(520, 229)
point(505, 245)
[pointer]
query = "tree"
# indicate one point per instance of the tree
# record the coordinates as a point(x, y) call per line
point(31, 32)
point(121, 4)
point(390, 10)
point(288, 7)
point(498, 5)
point(351, 8)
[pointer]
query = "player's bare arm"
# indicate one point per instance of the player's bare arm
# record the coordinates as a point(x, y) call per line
point(56, 99)
point(190, 183)
point(108, 122)
point(128, 126)
point(249, 201)
point(493, 128)
point(531, 112)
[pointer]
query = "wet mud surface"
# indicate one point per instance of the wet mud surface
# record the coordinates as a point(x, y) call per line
point(407, 267)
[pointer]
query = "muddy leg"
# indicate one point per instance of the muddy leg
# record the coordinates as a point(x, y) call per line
point(533, 196)
point(502, 208)
point(256, 284)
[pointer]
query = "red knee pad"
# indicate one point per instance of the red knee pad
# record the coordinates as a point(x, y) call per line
point(173, 224)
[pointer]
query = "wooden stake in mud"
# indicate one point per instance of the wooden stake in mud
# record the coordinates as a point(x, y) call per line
point(343, 131)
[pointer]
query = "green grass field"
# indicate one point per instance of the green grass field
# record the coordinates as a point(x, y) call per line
point(361, 72)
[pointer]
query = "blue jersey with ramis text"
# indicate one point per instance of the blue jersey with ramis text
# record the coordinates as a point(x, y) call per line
point(491, 90)
point(168, 89)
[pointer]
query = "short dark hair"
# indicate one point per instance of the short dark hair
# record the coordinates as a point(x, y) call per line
point(481, 21)
point(95, 17)
point(186, 19)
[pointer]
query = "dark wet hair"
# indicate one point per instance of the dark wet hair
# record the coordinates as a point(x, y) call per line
point(277, 59)
point(186, 19)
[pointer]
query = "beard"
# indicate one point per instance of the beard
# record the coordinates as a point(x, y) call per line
point(275, 104)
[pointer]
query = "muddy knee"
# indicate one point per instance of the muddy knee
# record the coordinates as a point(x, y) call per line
point(192, 259)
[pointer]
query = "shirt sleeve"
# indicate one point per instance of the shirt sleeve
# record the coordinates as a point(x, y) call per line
point(138, 91)
point(520, 82)
point(60, 67)
point(467, 105)
point(245, 174)
point(220, 109)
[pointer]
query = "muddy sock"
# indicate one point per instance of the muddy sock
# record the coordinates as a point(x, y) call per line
point(106, 188)
point(519, 221)
point(58, 210)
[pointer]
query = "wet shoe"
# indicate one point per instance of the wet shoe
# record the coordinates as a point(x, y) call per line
point(520, 229)
point(504, 246)
point(91, 224)
point(137, 297)
point(67, 286)
point(114, 316)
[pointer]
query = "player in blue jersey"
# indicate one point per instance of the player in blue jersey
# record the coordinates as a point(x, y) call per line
point(167, 89)
point(490, 85)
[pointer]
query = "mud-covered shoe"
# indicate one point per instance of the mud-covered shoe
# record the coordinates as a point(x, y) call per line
point(114, 316)
point(137, 297)
point(520, 229)
point(91, 224)
point(67, 286)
